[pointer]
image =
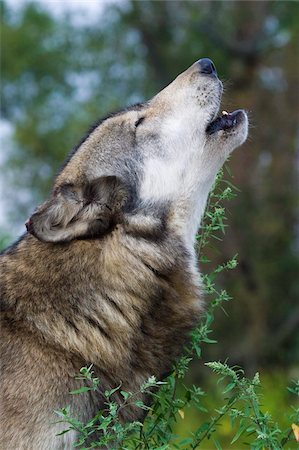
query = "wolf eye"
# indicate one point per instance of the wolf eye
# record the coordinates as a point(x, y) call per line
point(139, 121)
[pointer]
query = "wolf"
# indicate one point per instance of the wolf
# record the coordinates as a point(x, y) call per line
point(106, 273)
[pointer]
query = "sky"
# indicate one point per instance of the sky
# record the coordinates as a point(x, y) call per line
point(86, 10)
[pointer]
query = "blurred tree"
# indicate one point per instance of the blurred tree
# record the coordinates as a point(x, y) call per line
point(58, 77)
point(56, 80)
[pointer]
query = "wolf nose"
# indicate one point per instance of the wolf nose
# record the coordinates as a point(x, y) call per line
point(207, 66)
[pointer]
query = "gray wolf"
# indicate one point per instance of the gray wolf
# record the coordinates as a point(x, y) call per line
point(106, 273)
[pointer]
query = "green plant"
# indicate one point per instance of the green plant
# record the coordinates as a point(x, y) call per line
point(241, 397)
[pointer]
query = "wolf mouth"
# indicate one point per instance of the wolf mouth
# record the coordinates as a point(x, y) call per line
point(226, 121)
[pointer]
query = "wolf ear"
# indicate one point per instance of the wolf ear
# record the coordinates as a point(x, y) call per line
point(79, 211)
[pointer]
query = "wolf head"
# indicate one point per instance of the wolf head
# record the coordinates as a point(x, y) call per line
point(160, 155)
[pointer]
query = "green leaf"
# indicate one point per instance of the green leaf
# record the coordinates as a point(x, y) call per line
point(242, 428)
point(186, 441)
point(141, 405)
point(81, 390)
point(209, 341)
point(217, 444)
point(229, 387)
point(64, 412)
point(109, 393)
point(203, 427)
point(125, 394)
point(63, 432)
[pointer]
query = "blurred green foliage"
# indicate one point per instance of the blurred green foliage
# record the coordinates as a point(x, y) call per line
point(59, 76)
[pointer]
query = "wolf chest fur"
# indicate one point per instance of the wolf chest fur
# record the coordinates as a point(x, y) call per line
point(106, 273)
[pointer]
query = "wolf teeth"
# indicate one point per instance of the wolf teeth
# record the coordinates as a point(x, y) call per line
point(224, 113)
